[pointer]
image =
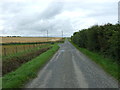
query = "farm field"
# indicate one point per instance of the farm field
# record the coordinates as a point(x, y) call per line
point(16, 51)
point(28, 39)
point(12, 49)
point(6, 50)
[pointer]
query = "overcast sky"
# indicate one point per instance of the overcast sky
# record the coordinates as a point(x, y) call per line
point(35, 17)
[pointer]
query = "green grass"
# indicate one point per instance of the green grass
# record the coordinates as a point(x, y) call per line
point(0, 82)
point(28, 70)
point(107, 64)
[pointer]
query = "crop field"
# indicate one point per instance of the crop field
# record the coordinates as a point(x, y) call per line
point(6, 50)
point(28, 39)
point(16, 51)
point(12, 49)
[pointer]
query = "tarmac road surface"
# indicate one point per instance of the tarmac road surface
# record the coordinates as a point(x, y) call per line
point(69, 68)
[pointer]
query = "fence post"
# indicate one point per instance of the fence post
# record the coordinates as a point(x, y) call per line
point(4, 51)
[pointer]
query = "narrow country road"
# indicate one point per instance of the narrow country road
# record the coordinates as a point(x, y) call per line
point(69, 68)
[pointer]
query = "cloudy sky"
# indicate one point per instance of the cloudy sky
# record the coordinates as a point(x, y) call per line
point(35, 17)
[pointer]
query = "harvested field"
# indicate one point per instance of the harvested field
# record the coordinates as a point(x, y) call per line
point(28, 39)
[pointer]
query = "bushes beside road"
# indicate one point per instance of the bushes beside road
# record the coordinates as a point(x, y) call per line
point(103, 39)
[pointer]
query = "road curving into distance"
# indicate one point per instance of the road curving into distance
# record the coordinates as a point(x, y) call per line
point(69, 68)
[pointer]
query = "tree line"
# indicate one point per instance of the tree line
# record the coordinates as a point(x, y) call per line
point(104, 39)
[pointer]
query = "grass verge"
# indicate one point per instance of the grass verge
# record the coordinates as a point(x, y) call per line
point(107, 64)
point(28, 70)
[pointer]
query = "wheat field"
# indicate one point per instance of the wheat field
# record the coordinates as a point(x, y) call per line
point(11, 49)
point(28, 39)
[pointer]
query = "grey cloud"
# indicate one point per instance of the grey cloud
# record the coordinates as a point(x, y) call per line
point(52, 10)
point(20, 19)
point(105, 10)
point(11, 7)
point(93, 9)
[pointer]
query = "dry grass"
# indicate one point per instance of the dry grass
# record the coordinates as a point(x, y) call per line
point(12, 49)
point(28, 39)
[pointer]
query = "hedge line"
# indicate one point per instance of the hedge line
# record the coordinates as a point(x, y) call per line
point(104, 39)
point(27, 43)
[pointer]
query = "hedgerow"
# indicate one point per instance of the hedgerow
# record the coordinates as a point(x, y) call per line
point(104, 39)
